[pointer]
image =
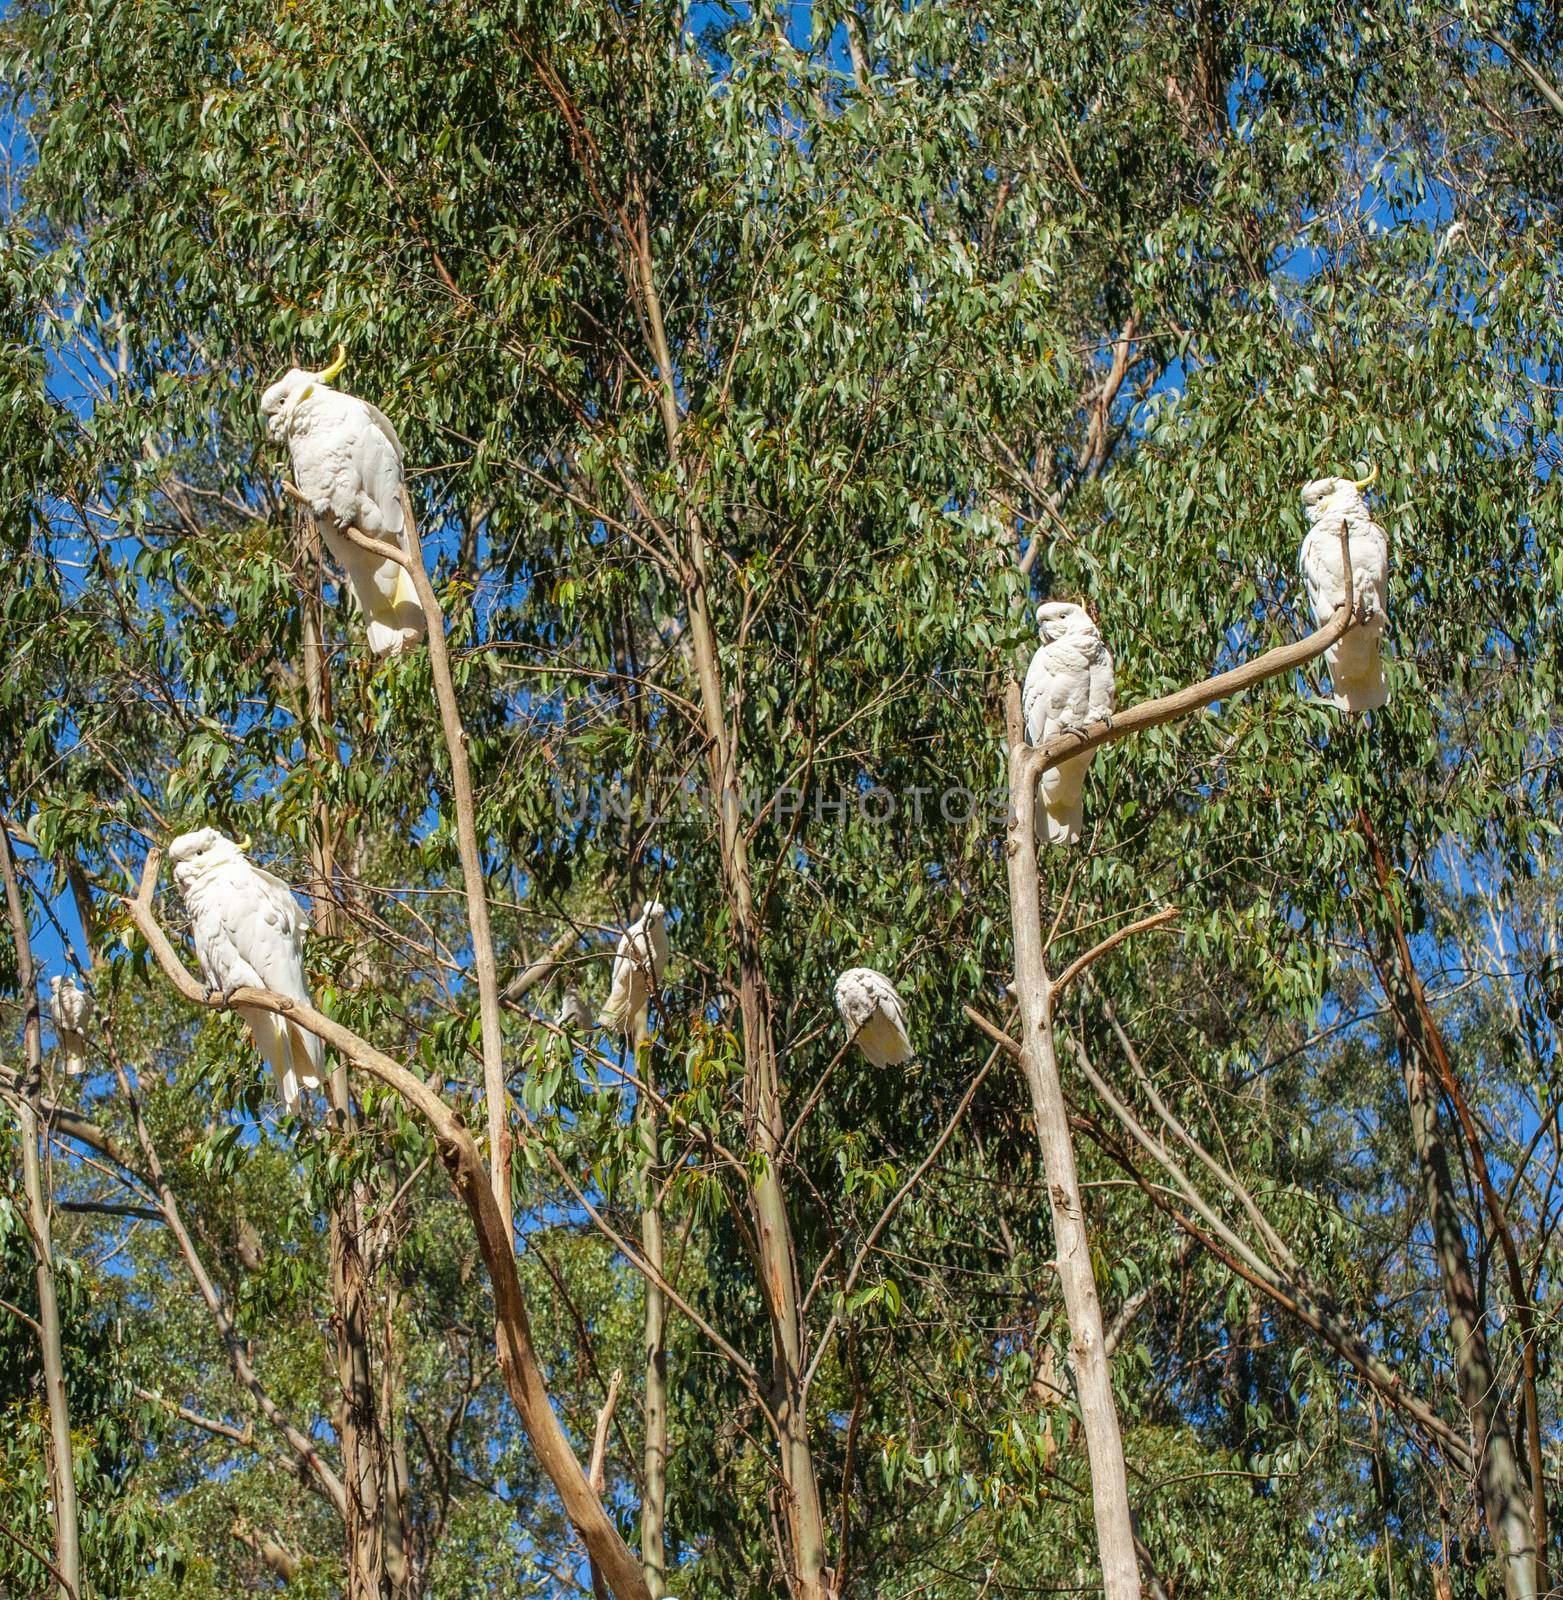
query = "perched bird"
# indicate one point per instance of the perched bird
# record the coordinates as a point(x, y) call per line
point(573, 1013)
point(70, 1009)
point(249, 929)
point(872, 1011)
point(347, 464)
point(638, 965)
point(249, 1245)
point(1356, 659)
point(1069, 685)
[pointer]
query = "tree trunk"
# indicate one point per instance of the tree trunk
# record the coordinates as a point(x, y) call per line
point(363, 1443)
point(1498, 1469)
point(1417, 1024)
point(653, 1504)
point(362, 1439)
point(399, 1575)
point(773, 1228)
point(62, 1467)
point(1087, 1342)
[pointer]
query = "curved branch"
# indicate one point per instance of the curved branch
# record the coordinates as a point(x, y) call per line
point(1037, 759)
point(458, 1152)
point(1076, 967)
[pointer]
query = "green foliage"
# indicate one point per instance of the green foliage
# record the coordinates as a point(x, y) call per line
point(892, 308)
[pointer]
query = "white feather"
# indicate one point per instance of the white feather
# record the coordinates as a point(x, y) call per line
point(1069, 684)
point(874, 1016)
point(638, 965)
point(1356, 660)
point(248, 929)
point(70, 1009)
point(572, 1012)
point(347, 463)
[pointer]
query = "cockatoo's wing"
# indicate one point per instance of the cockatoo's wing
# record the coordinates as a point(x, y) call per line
point(380, 462)
point(1369, 565)
point(1035, 694)
point(383, 423)
point(1321, 569)
point(1040, 694)
point(265, 925)
point(623, 978)
point(660, 950)
point(875, 1019)
point(892, 1010)
point(1068, 695)
point(1103, 698)
point(625, 1006)
point(854, 1000)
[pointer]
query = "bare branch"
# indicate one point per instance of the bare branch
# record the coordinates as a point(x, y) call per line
point(1097, 951)
point(376, 547)
point(1037, 759)
point(223, 1430)
point(596, 1473)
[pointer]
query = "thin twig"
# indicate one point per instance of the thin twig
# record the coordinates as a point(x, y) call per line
point(1076, 967)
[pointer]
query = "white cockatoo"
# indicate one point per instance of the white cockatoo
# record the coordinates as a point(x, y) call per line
point(70, 1009)
point(249, 929)
point(874, 1016)
point(573, 1014)
point(638, 965)
point(1069, 685)
point(1356, 659)
point(347, 464)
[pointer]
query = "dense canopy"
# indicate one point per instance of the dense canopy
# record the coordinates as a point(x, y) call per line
point(757, 372)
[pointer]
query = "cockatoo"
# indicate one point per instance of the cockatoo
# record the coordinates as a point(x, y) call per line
point(638, 965)
point(872, 1011)
point(1356, 659)
point(70, 1009)
point(1069, 685)
point(573, 1014)
point(347, 464)
point(249, 929)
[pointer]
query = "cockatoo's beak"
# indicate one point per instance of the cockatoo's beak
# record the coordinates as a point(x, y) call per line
point(1362, 483)
point(326, 374)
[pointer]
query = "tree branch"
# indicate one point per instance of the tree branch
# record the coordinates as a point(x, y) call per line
point(1097, 951)
point(1037, 759)
point(596, 1473)
point(223, 1430)
point(458, 1151)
